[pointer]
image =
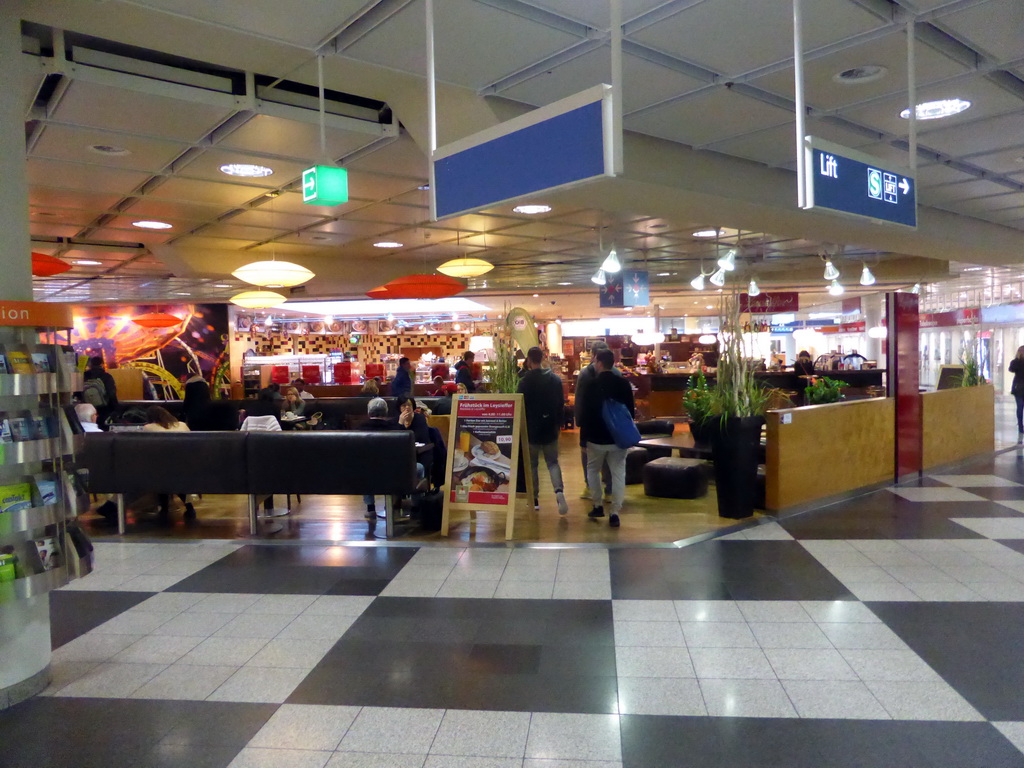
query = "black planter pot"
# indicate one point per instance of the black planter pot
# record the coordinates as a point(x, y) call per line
point(702, 431)
point(734, 445)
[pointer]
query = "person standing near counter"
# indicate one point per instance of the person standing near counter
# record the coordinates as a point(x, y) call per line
point(464, 371)
point(1017, 390)
point(401, 385)
point(543, 400)
point(804, 366)
point(583, 381)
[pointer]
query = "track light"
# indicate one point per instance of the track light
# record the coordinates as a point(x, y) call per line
point(916, 289)
point(836, 288)
point(599, 278)
point(831, 273)
point(752, 289)
point(727, 262)
point(866, 278)
point(718, 278)
point(698, 282)
point(611, 262)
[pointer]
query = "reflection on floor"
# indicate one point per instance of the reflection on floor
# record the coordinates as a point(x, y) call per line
point(340, 518)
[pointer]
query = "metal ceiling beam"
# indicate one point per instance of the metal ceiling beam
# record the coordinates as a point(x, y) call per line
point(541, 16)
point(541, 67)
point(364, 25)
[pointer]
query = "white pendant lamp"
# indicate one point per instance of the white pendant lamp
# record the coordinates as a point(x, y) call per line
point(258, 299)
point(707, 338)
point(831, 273)
point(611, 262)
point(465, 268)
point(916, 289)
point(647, 338)
point(698, 282)
point(599, 278)
point(836, 288)
point(727, 262)
point(752, 289)
point(274, 274)
point(866, 278)
point(718, 278)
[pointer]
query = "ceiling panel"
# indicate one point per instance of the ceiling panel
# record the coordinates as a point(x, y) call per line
point(1003, 40)
point(190, 190)
point(930, 175)
point(715, 116)
point(173, 210)
point(303, 22)
point(62, 216)
point(392, 214)
point(401, 157)
point(545, 229)
point(373, 186)
point(960, 191)
point(149, 237)
point(980, 135)
point(290, 138)
point(993, 203)
point(643, 83)
point(353, 228)
point(238, 232)
point(476, 44)
point(291, 202)
point(1009, 161)
point(43, 229)
point(77, 176)
point(736, 36)
point(61, 143)
point(264, 217)
point(52, 198)
point(103, 106)
point(595, 14)
point(823, 92)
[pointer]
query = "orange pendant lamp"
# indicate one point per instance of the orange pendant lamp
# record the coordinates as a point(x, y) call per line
point(157, 320)
point(424, 287)
point(45, 265)
point(380, 292)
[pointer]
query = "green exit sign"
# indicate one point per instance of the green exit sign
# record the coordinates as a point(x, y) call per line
point(324, 185)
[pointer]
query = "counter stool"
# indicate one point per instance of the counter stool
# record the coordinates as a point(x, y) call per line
point(674, 478)
point(636, 458)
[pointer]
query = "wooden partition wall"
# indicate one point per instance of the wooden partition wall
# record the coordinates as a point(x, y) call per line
point(957, 424)
point(826, 450)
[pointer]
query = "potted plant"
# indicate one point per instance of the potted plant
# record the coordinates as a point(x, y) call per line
point(972, 375)
point(697, 402)
point(504, 369)
point(823, 390)
point(737, 414)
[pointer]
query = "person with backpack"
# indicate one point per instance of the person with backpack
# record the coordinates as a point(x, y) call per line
point(604, 392)
point(99, 390)
point(543, 400)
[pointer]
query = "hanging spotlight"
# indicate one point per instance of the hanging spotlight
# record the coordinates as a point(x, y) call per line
point(836, 288)
point(752, 289)
point(611, 262)
point(599, 278)
point(698, 282)
point(718, 278)
point(831, 273)
point(866, 278)
point(727, 262)
point(916, 289)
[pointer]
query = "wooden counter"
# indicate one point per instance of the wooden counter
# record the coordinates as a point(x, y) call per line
point(957, 424)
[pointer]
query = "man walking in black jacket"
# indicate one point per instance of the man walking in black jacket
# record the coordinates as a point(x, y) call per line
point(599, 441)
point(543, 400)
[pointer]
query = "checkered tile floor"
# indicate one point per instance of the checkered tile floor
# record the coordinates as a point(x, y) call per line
point(883, 631)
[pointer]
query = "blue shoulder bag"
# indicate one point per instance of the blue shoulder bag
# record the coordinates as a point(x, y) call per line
point(620, 424)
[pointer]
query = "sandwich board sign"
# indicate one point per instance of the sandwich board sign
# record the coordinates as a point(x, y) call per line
point(485, 440)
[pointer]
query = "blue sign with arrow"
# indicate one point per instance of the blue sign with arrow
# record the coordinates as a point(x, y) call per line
point(850, 182)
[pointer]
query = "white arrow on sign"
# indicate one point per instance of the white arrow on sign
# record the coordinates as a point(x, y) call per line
point(905, 186)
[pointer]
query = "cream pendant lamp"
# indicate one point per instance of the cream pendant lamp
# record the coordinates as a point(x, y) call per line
point(274, 274)
point(465, 268)
point(258, 299)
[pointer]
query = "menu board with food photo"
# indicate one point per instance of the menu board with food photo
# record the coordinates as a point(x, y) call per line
point(481, 467)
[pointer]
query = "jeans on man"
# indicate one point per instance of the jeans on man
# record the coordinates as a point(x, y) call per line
point(605, 472)
point(550, 451)
point(598, 454)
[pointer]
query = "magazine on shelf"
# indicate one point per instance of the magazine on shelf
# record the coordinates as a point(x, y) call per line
point(46, 490)
point(21, 428)
point(41, 362)
point(15, 496)
point(20, 362)
point(6, 436)
point(3, 363)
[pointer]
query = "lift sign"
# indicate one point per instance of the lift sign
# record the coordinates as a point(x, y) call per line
point(850, 182)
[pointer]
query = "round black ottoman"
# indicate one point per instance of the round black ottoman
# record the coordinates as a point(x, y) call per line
point(674, 478)
point(636, 458)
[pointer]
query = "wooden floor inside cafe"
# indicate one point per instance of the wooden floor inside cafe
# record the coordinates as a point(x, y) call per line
point(644, 519)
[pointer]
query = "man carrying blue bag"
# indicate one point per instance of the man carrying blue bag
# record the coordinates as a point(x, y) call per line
point(607, 429)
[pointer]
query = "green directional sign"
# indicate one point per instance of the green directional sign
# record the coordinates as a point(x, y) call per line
point(324, 185)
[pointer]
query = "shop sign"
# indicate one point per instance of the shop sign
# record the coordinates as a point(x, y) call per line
point(1005, 313)
point(35, 314)
point(780, 301)
point(955, 317)
point(850, 182)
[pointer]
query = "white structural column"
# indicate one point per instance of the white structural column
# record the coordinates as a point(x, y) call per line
point(871, 306)
point(15, 247)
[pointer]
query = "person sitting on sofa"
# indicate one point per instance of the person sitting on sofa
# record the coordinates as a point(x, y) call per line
point(162, 420)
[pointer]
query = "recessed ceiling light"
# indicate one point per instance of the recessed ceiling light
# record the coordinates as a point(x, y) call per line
point(87, 263)
point(973, 269)
point(387, 244)
point(109, 149)
point(867, 73)
point(663, 274)
point(182, 293)
point(531, 210)
point(248, 170)
point(708, 233)
point(709, 306)
point(565, 283)
point(934, 110)
point(145, 224)
point(423, 187)
point(536, 295)
point(221, 285)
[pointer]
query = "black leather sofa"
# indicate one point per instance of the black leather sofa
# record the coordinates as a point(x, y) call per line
point(251, 463)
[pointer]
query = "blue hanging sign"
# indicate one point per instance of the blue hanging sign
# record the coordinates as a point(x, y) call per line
point(846, 181)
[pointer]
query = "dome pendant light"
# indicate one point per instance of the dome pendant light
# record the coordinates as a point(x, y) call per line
point(718, 278)
point(465, 267)
point(836, 288)
point(698, 282)
point(274, 274)
point(611, 262)
point(752, 289)
point(258, 299)
point(831, 273)
point(866, 278)
point(599, 278)
point(727, 262)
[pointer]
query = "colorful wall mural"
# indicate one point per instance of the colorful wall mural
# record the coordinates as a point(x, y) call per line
point(169, 342)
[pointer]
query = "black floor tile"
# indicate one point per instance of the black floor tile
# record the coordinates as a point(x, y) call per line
point(718, 570)
point(713, 742)
point(74, 613)
point(976, 647)
point(131, 733)
point(1006, 493)
point(1015, 544)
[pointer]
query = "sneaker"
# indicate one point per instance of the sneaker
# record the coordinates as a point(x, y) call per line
point(596, 512)
point(613, 521)
point(190, 511)
point(563, 505)
point(536, 504)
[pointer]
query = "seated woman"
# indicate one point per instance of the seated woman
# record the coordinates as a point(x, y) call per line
point(293, 402)
point(162, 420)
point(410, 418)
point(370, 388)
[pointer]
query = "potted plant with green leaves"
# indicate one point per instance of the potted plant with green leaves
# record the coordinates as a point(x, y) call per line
point(823, 390)
point(698, 401)
point(972, 375)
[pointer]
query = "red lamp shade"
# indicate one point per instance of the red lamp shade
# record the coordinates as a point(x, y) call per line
point(45, 265)
point(380, 292)
point(156, 320)
point(424, 287)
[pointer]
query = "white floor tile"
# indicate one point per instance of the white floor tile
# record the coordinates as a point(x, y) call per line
point(94, 647)
point(222, 651)
point(1014, 732)
point(863, 636)
point(839, 612)
point(339, 605)
point(649, 633)
point(529, 573)
point(377, 729)
point(133, 623)
point(809, 664)
point(945, 592)
point(305, 726)
point(265, 625)
point(157, 649)
point(467, 588)
point(64, 672)
point(643, 610)
point(715, 634)
point(476, 572)
point(147, 583)
point(993, 527)
point(583, 590)
point(275, 758)
point(194, 624)
point(933, 494)
point(773, 611)
point(863, 574)
point(291, 605)
point(423, 572)
point(317, 627)
point(482, 734)
point(746, 698)
point(266, 685)
point(660, 696)
point(463, 761)
point(731, 663)
point(1009, 592)
point(184, 683)
point(375, 760)
point(291, 654)
point(883, 592)
point(849, 700)
point(975, 481)
point(708, 610)
point(170, 602)
point(412, 588)
point(437, 555)
point(112, 681)
point(922, 701)
point(639, 661)
point(575, 737)
point(532, 763)
point(223, 603)
point(890, 666)
point(525, 590)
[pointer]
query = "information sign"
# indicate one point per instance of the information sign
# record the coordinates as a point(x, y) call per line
point(626, 288)
point(851, 182)
point(484, 443)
